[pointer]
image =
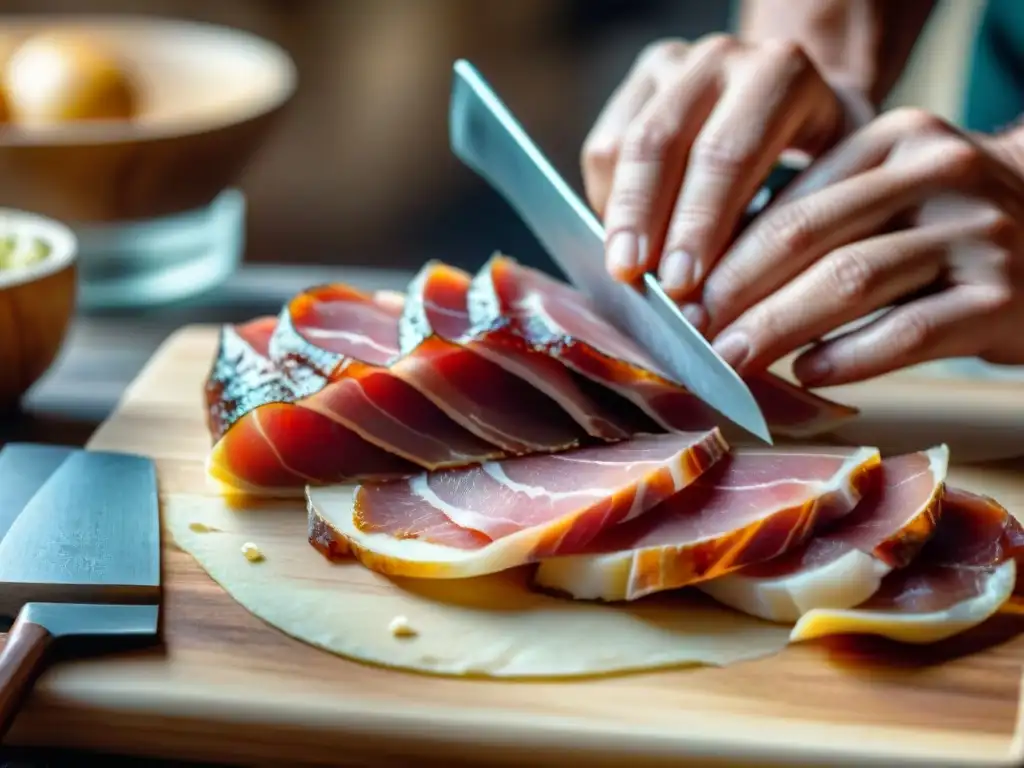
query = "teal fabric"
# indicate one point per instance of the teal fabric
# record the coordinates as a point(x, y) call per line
point(994, 94)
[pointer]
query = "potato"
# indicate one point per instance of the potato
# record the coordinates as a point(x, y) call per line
point(53, 77)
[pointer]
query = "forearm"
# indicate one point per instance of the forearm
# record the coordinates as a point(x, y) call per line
point(862, 45)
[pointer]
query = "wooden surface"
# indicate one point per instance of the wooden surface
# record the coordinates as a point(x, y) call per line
point(229, 688)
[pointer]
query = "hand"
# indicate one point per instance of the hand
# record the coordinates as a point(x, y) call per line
point(907, 214)
point(686, 141)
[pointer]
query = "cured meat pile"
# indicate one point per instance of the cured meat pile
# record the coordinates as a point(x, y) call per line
point(346, 386)
point(495, 421)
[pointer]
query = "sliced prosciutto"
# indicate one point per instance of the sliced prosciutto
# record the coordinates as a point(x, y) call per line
point(753, 505)
point(961, 577)
point(327, 325)
point(341, 373)
point(470, 522)
point(553, 317)
point(845, 567)
point(551, 400)
point(322, 327)
point(517, 416)
point(267, 440)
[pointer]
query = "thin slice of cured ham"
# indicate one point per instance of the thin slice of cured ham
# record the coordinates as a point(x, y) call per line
point(553, 317)
point(470, 522)
point(547, 394)
point(845, 566)
point(366, 396)
point(322, 328)
point(517, 416)
point(961, 577)
point(329, 324)
point(267, 441)
point(754, 505)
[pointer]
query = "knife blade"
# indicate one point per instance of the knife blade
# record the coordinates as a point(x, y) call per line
point(486, 137)
point(24, 467)
point(80, 558)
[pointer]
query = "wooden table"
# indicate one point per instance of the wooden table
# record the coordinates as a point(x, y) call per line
point(104, 352)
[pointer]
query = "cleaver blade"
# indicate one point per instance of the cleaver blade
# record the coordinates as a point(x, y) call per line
point(79, 555)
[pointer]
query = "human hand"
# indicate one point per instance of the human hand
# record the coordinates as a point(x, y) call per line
point(686, 141)
point(907, 214)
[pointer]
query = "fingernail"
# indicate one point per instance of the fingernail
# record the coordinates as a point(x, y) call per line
point(695, 314)
point(733, 348)
point(642, 253)
point(623, 253)
point(812, 370)
point(677, 270)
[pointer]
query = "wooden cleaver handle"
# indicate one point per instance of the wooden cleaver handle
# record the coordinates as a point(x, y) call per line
point(21, 661)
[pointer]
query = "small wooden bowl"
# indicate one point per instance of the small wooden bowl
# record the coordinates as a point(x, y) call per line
point(207, 94)
point(36, 305)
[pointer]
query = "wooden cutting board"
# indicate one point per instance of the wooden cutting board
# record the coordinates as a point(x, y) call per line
point(227, 687)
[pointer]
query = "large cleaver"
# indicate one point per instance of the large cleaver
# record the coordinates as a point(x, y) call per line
point(79, 555)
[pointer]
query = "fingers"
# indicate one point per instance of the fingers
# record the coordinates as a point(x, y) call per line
point(786, 240)
point(651, 157)
point(864, 150)
point(847, 196)
point(913, 137)
point(960, 165)
point(948, 324)
point(990, 243)
point(601, 147)
point(773, 100)
point(845, 286)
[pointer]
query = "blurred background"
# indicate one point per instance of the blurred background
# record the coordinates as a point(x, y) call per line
point(355, 173)
point(357, 170)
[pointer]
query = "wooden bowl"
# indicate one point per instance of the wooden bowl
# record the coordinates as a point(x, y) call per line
point(36, 304)
point(207, 99)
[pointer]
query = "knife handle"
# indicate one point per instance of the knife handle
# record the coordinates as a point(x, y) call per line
point(779, 178)
point(21, 661)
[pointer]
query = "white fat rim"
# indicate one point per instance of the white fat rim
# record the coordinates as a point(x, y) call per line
point(842, 583)
point(414, 557)
point(788, 597)
point(913, 627)
point(612, 576)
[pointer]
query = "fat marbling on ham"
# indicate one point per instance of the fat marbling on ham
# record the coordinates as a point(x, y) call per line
point(753, 505)
point(845, 566)
point(479, 520)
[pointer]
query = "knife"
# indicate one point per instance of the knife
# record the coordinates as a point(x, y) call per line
point(79, 557)
point(488, 139)
point(24, 467)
